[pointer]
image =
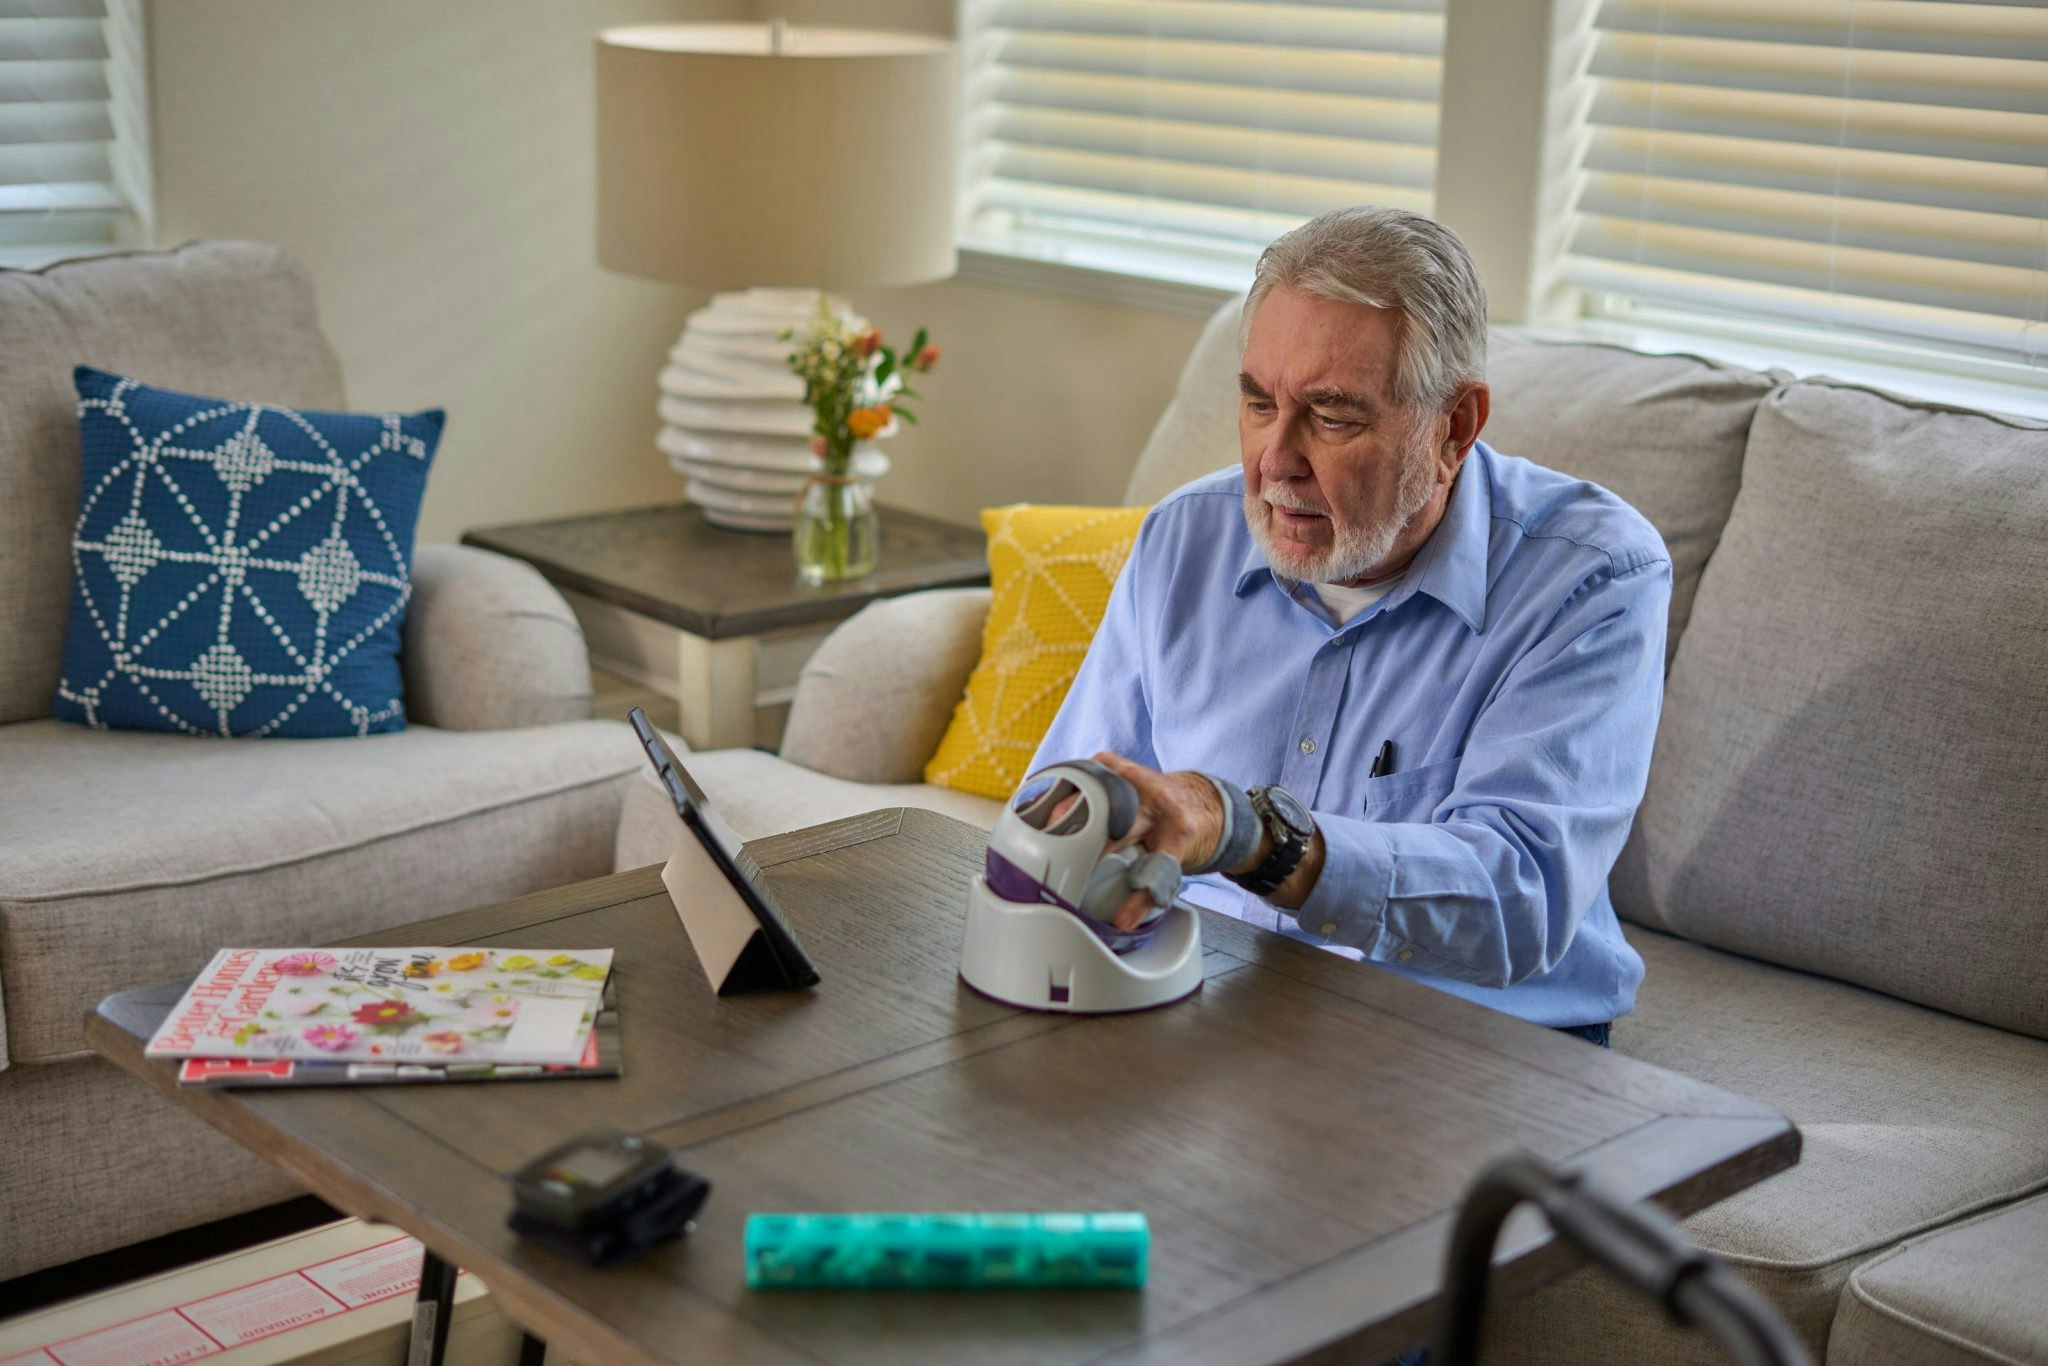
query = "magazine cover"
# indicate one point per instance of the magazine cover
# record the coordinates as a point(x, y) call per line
point(603, 1056)
point(386, 1005)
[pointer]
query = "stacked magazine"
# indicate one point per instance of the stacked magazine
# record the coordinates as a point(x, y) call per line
point(326, 1017)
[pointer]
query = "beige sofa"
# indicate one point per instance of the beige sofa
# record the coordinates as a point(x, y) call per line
point(128, 857)
point(1839, 876)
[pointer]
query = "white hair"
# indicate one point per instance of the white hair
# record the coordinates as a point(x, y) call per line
point(1392, 259)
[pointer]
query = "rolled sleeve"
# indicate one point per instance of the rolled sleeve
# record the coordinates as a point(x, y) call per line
point(1490, 889)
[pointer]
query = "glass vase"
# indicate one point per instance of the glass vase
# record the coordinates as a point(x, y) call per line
point(837, 535)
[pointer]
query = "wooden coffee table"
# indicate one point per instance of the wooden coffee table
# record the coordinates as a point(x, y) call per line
point(1298, 1132)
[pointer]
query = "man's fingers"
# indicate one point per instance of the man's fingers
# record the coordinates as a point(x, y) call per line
point(1133, 912)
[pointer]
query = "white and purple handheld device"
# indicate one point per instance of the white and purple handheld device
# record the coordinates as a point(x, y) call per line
point(1038, 929)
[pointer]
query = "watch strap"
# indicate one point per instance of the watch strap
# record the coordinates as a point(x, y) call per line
point(1289, 845)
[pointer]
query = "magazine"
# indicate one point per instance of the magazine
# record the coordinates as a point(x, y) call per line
point(390, 1005)
point(603, 1056)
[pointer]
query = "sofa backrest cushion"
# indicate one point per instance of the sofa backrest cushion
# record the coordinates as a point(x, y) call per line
point(233, 319)
point(1853, 755)
point(1198, 431)
point(1664, 432)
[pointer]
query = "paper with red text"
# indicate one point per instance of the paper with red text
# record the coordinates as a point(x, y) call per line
point(428, 1005)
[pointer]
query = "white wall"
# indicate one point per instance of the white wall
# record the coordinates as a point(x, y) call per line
point(432, 164)
point(1038, 397)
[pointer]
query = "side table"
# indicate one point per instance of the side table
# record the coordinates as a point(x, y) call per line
point(716, 618)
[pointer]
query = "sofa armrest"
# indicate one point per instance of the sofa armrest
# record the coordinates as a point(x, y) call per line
point(489, 644)
point(874, 699)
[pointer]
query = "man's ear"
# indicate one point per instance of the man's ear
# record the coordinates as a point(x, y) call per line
point(1467, 414)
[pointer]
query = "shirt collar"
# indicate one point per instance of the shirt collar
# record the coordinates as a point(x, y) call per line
point(1452, 564)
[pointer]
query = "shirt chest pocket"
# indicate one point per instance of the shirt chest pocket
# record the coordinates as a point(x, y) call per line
point(1410, 794)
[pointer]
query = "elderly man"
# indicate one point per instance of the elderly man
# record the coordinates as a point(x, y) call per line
point(1394, 691)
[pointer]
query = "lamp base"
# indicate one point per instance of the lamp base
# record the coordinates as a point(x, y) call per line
point(734, 421)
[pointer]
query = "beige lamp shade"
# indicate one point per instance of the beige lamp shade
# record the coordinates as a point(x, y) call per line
point(721, 163)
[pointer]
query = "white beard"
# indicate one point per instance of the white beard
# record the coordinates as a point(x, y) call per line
point(1356, 551)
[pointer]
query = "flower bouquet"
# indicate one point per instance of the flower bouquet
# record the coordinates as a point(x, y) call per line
point(855, 387)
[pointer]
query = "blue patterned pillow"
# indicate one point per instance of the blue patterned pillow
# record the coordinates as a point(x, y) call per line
point(239, 569)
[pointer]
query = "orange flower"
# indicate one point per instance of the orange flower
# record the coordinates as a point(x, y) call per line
point(926, 358)
point(467, 962)
point(430, 967)
point(868, 342)
point(865, 422)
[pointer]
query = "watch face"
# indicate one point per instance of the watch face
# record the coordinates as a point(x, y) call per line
point(1289, 809)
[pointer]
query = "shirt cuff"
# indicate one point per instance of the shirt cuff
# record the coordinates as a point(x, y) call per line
point(1348, 904)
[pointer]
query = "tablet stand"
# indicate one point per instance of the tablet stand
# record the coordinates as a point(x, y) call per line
point(730, 943)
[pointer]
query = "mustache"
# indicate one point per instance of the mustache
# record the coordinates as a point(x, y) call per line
point(1288, 502)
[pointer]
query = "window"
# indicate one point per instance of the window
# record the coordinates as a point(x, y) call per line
point(1870, 166)
point(1855, 174)
point(73, 141)
point(1178, 137)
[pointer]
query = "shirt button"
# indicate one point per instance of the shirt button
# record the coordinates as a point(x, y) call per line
point(1405, 954)
point(1328, 928)
point(1308, 746)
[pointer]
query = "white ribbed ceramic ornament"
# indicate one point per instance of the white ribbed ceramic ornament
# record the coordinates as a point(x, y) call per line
point(734, 421)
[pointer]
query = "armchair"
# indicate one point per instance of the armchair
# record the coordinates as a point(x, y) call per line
point(128, 857)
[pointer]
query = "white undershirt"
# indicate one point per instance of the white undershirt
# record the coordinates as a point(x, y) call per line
point(1346, 603)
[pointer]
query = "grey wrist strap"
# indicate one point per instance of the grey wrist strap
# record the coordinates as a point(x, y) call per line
point(1241, 828)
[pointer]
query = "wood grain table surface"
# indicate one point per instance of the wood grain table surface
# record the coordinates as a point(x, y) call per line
point(1298, 1132)
point(669, 564)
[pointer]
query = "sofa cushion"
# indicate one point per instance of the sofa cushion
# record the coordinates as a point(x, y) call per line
point(1960, 1296)
point(75, 1187)
point(1854, 747)
point(1910, 1120)
point(133, 855)
point(229, 318)
point(1051, 570)
point(1664, 432)
point(239, 569)
point(760, 794)
point(1197, 433)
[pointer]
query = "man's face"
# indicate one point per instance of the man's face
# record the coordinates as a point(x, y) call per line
point(1342, 484)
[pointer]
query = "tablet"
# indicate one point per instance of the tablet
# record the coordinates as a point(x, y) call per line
point(726, 851)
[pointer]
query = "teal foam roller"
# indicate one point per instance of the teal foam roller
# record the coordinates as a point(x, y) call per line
point(947, 1251)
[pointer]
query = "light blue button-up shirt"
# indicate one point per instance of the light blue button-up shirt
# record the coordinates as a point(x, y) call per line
point(1517, 667)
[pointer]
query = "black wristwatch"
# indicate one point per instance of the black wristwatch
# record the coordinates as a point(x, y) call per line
point(1291, 827)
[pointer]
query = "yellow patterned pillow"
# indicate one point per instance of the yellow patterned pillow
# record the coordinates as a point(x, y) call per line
point(1051, 569)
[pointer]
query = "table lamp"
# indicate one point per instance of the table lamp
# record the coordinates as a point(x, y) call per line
point(771, 162)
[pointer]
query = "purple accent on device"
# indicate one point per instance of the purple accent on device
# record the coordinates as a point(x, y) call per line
point(1059, 993)
point(1047, 1009)
point(1012, 883)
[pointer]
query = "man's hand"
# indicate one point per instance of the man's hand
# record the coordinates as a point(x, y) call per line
point(1180, 814)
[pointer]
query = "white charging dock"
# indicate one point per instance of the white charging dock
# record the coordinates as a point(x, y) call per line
point(1044, 957)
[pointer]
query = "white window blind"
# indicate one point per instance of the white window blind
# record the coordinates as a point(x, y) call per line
point(1879, 166)
point(62, 186)
point(1157, 133)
